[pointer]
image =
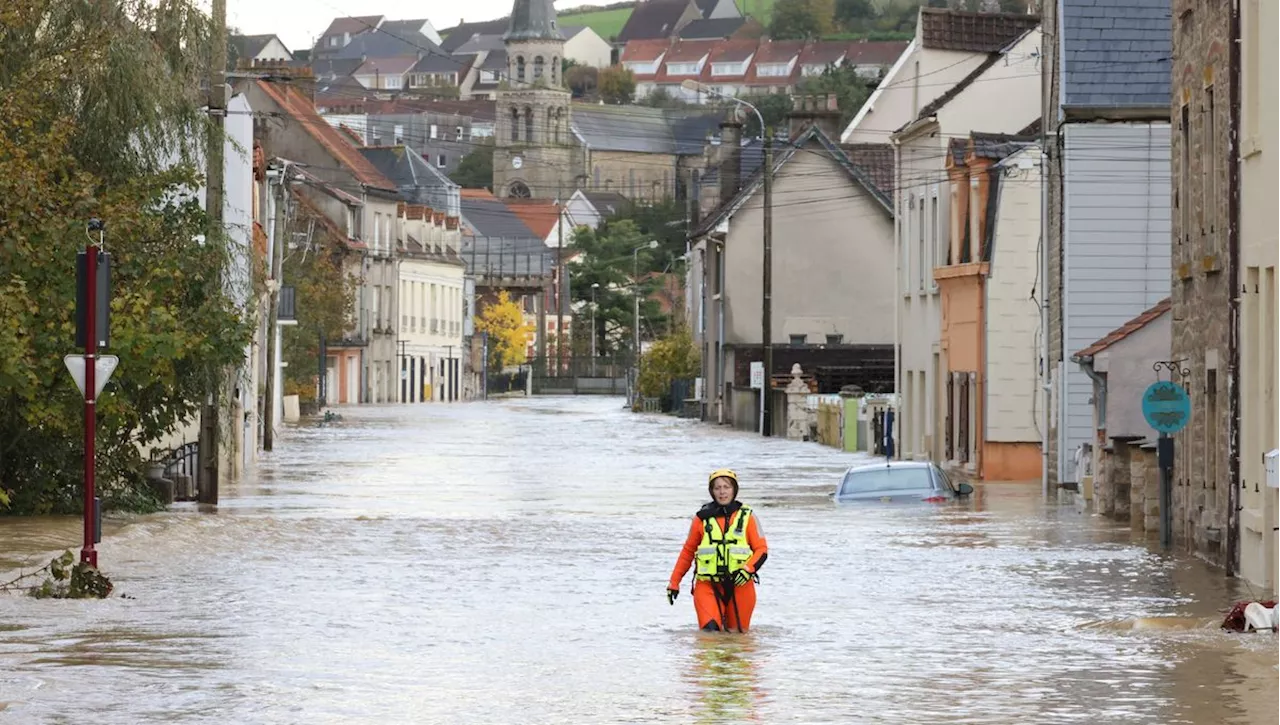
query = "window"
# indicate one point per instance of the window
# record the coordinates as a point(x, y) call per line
point(904, 249)
point(772, 69)
point(435, 131)
point(377, 231)
point(887, 479)
point(726, 69)
point(391, 82)
point(399, 134)
point(835, 339)
point(515, 124)
point(922, 260)
point(441, 161)
point(528, 124)
point(488, 76)
point(519, 190)
point(799, 339)
point(1209, 152)
point(458, 135)
point(538, 67)
point(933, 236)
point(520, 68)
point(1184, 181)
point(682, 69)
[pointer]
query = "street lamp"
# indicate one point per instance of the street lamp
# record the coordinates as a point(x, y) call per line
point(635, 287)
point(766, 322)
point(594, 288)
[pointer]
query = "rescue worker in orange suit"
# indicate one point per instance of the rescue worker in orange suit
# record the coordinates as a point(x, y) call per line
point(727, 549)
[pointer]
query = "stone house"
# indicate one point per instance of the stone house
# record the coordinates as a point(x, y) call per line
point(1119, 366)
point(998, 96)
point(1203, 335)
point(831, 225)
point(989, 320)
point(1106, 108)
point(1259, 253)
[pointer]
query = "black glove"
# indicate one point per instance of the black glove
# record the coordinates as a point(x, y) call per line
point(671, 596)
point(743, 576)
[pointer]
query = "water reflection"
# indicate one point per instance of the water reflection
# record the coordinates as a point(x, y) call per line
point(723, 673)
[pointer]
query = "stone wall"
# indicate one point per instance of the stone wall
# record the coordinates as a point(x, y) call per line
point(1201, 298)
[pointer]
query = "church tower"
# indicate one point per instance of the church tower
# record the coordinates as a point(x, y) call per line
point(533, 154)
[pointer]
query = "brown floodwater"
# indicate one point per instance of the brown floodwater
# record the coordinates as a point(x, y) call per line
point(506, 562)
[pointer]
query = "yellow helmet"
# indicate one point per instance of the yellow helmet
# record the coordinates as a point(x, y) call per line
point(722, 473)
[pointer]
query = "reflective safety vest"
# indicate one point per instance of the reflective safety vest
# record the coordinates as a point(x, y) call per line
point(723, 552)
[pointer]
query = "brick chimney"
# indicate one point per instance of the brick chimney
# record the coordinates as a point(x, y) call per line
point(820, 111)
point(730, 159)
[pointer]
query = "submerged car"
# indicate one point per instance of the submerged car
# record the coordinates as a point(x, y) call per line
point(899, 482)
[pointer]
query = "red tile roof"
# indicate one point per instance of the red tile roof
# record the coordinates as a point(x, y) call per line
point(475, 194)
point(644, 51)
point(687, 51)
point(300, 109)
point(1125, 330)
point(733, 51)
point(537, 214)
point(823, 53)
point(876, 52)
point(778, 51)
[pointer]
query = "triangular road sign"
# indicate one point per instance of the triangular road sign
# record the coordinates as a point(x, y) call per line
point(104, 365)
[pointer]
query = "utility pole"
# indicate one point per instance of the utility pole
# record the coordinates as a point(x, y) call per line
point(210, 414)
point(559, 284)
point(273, 308)
point(766, 425)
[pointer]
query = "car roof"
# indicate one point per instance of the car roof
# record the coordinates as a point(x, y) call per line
point(889, 464)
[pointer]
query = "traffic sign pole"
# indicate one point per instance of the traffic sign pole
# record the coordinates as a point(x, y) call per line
point(1167, 408)
point(88, 554)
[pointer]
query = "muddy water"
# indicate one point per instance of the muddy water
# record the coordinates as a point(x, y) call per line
point(506, 562)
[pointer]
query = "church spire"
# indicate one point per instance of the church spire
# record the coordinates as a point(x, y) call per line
point(533, 20)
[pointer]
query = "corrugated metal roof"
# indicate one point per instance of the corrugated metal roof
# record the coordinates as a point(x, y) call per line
point(1116, 53)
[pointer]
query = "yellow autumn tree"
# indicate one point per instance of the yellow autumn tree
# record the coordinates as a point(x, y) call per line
point(508, 333)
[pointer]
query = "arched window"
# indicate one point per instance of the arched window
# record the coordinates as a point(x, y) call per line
point(520, 68)
point(515, 124)
point(538, 67)
point(519, 190)
point(555, 71)
point(528, 124)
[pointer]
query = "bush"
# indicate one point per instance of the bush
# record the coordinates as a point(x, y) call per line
point(674, 357)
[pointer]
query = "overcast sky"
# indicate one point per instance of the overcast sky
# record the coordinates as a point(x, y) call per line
point(298, 22)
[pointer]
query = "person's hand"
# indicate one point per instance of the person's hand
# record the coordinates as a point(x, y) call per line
point(671, 596)
point(743, 576)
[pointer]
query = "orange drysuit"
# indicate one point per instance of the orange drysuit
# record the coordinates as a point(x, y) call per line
point(723, 605)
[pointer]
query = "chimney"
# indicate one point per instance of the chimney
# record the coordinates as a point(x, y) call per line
point(730, 159)
point(820, 111)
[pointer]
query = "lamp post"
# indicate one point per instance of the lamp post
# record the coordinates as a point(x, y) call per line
point(635, 287)
point(766, 322)
point(594, 288)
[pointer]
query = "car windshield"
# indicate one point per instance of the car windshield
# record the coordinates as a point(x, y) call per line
point(886, 479)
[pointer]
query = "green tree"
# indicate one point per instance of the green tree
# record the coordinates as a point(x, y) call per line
point(794, 19)
point(608, 257)
point(616, 84)
point(855, 15)
point(325, 299)
point(504, 321)
point(773, 107)
point(851, 91)
point(99, 112)
point(475, 171)
point(673, 357)
point(582, 80)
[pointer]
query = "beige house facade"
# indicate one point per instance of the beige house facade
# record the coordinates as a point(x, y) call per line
point(1259, 428)
point(1001, 95)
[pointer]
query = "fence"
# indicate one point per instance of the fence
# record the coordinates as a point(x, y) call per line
point(580, 375)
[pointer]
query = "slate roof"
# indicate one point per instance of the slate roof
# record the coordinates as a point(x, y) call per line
point(301, 110)
point(440, 63)
point(249, 46)
point(944, 29)
point(1116, 54)
point(997, 146)
point(464, 31)
point(654, 19)
point(532, 20)
point(490, 217)
point(712, 28)
point(705, 7)
point(386, 66)
point(538, 214)
point(479, 43)
point(569, 32)
point(607, 203)
point(352, 24)
point(879, 52)
point(417, 181)
point(392, 40)
point(1124, 330)
point(855, 173)
point(642, 130)
point(877, 160)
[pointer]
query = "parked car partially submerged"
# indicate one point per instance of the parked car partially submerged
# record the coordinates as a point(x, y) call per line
point(899, 482)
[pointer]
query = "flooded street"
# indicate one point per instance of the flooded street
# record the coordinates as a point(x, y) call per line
point(506, 562)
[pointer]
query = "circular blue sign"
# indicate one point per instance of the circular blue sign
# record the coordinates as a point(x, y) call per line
point(1166, 406)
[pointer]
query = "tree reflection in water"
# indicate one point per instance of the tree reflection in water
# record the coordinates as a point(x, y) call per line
point(723, 673)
